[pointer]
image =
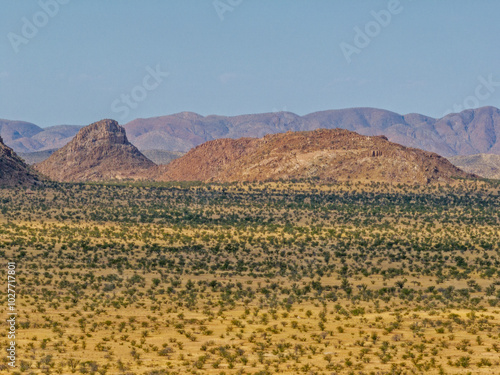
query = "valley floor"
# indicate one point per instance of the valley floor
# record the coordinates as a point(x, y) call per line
point(269, 278)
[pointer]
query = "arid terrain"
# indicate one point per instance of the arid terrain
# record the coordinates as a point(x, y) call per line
point(484, 165)
point(100, 151)
point(322, 154)
point(314, 252)
point(229, 187)
point(255, 278)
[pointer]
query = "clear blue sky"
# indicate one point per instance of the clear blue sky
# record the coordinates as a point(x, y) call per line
point(260, 56)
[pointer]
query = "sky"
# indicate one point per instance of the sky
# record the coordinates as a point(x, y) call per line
point(78, 61)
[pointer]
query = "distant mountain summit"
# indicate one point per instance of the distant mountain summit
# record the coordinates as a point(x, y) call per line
point(100, 151)
point(327, 155)
point(13, 170)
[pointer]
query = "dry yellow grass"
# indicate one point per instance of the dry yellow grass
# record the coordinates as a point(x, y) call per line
point(255, 279)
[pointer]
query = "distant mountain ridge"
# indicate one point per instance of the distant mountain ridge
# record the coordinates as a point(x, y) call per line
point(102, 152)
point(469, 132)
point(161, 156)
point(26, 137)
point(31, 158)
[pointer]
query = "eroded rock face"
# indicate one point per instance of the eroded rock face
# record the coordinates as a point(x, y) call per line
point(98, 152)
point(329, 155)
point(13, 170)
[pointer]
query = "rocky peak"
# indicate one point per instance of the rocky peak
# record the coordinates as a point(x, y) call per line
point(100, 151)
point(101, 132)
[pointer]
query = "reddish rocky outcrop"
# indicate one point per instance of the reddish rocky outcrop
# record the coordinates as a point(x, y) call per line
point(100, 151)
point(329, 155)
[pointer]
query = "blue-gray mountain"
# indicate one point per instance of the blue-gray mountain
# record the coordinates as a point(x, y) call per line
point(24, 136)
point(469, 132)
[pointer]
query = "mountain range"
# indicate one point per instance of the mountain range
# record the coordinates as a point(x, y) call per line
point(469, 132)
point(27, 137)
point(102, 152)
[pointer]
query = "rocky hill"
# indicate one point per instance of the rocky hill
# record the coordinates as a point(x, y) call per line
point(13, 170)
point(329, 155)
point(484, 165)
point(98, 152)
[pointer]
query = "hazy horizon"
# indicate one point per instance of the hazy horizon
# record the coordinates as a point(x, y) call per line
point(231, 57)
point(215, 114)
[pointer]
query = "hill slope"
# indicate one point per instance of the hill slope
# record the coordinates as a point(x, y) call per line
point(13, 171)
point(36, 157)
point(324, 154)
point(484, 165)
point(100, 151)
point(162, 156)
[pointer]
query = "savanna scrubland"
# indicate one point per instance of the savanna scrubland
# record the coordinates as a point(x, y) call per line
point(255, 278)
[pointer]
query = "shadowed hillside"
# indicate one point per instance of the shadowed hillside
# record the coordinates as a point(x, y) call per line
point(13, 170)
